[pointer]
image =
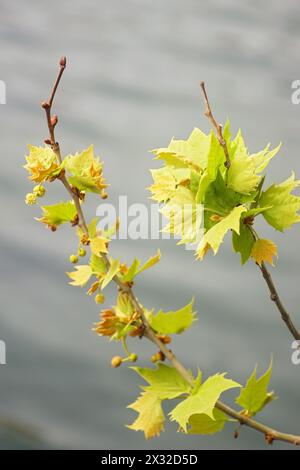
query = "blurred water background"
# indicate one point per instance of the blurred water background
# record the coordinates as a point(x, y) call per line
point(131, 84)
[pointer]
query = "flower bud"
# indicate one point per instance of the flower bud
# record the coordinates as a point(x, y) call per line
point(30, 199)
point(39, 190)
point(73, 259)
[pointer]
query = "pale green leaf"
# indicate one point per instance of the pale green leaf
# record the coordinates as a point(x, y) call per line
point(111, 273)
point(204, 424)
point(58, 214)
point(86, 171)
point(173, 322)
point(164, 381)
point(242, 177)
point(202, 402)
point(215, 235)
point(284, 205)
point(81, 276)
point(151, 416)
point(97, 265)
point(262, 158)
point(150, 262)
point(254, 396)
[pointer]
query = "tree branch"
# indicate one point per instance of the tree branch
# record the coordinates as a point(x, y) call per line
point(218, 127)
point(269, 433)
point(266, 274)
point(274, 296)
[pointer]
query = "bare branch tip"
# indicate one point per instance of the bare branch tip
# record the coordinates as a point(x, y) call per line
point(63, 62)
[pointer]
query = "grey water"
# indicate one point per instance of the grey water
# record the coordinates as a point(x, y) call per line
point(131, 84)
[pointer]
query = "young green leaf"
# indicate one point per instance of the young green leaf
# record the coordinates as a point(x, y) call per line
point(41, 163)
point(254, 396)
point(151, 416)
point(262, 159)
point(132, 271)
point(99, 245)
point(86, 171)
point(164, 381)
point(215, 235)
point(243, 242)
point(242, 176)
point(173, 322)
point(97, 265)
point(150, 262)
point(284, 205)
point(81, 276)
point(203, 401)
point(58, 214)
point(264, 251)
point(111, 273)
point(204, 424)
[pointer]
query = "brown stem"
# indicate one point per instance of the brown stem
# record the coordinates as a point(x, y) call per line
point(270, 434)
point(274, 296)
point(208, 113)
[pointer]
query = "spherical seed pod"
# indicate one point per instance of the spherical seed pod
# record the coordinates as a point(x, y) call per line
point(73, 259)
point(116, 361)
point(99, 299)
point(81, 252)
point(133, 357)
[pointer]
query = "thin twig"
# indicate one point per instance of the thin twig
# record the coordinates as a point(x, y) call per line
point(269, 433)
point(274, 296)
point(208, 113)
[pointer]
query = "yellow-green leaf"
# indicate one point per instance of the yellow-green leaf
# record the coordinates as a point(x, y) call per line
point(41, 163)
point(99, 245)
point(151, 416)
point(283, 212)
point(254, 396)
point(203, 401)
point(164, 381)
point(173, 322)
point(111, 273)
point(204, 424)
point(150, 262)
point(242, 176)
point(81, 276)
point(264, 251)
point(215, 235)
point(58, 214)
point(86, 171)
